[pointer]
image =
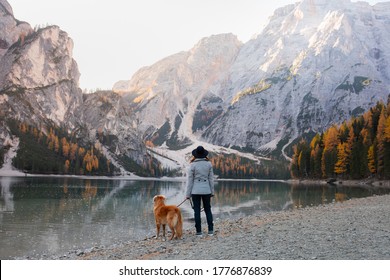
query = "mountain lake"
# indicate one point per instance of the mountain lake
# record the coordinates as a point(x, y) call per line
point(55, 215)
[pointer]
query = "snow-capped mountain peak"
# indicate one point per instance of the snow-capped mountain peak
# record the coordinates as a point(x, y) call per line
point(316, 63)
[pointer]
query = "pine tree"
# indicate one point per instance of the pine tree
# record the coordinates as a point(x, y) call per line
point(381, 143)
point(316, 149)
point(342, 159)
point(304, 160)
point(67, 166)
point(65, 147)
point(372, 159)
point(56, 144)
point(356, 149)
point(301, 160)
point(387, 129)
point(294, 164)
point(386, 146)
point(73, 151)
point(329, 155)
point(358, 163)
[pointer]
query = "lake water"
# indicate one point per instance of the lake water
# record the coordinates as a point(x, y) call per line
point(56, 215)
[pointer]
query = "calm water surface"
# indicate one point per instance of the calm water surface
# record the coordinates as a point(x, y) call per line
point(56, 215)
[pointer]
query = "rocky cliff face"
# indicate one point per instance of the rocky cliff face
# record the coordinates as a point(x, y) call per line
point(11, 30)
point(39, 85)
point(38, 76)
point(107, 120)
point(317, 62)
point(164, 97)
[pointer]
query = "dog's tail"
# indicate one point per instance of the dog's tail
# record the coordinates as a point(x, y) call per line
point(179, 225)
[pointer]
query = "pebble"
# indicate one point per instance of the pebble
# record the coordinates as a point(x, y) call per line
point(353, 229)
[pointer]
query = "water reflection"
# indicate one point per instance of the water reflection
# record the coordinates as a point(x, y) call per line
point(243, 198)
point(6, 201)
point(56, 215)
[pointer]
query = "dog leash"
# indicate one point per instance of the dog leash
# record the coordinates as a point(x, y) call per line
point(192, 205)
point(183, 202)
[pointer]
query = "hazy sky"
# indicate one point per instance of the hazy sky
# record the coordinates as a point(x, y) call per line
point(113, 39)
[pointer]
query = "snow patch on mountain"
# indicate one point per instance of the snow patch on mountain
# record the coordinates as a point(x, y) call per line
point(168, 93)
point(7, 169)
point(316, 63)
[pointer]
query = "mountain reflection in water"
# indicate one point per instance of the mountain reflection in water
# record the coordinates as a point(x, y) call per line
point(56, 215)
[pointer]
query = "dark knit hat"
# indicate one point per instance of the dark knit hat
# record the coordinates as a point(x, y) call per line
point(200, 152)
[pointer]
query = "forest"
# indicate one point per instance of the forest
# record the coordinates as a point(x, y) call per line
point(236, 167)
point(52, 150)
point(356, 149)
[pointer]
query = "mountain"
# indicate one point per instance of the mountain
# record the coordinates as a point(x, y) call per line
point(39, 89)
point(165, 96)
point(316, 63)
point(38, 76)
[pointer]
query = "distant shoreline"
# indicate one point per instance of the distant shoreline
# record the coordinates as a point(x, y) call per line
point(363, 182)
point(132, 177)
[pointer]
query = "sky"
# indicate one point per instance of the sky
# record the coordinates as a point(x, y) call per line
point(113, 39)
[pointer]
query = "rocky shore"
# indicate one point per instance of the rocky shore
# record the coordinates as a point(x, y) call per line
point(353, 230)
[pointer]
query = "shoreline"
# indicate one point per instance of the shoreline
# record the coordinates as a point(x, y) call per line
point(349, 183)
point(355, 229)
point(132, 177)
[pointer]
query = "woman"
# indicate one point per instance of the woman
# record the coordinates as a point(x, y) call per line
point(200, 187)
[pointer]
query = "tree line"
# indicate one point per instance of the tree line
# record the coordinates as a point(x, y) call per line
point(51, 149)
point(356, 149)
point(234, 166)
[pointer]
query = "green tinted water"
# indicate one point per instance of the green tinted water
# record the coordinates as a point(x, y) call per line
point(57, 215)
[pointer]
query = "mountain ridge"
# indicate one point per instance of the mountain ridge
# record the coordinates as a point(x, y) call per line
point(316, 63)
point(298, 72)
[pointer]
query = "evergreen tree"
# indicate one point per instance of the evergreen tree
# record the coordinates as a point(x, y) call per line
point(356, 149)
point(381, 144)
point(329, 156)
point(316, 147)
point(371, 156)
point(301, 160)
point(386, 147)
point(342, 155)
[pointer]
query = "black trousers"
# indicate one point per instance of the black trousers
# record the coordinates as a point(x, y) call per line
point(197, 199)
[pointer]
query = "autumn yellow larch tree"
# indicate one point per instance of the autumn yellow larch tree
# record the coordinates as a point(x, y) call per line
point(342, 159)
point(381, 143)
point(329, 155)
point(371, 159)
point(73, 151)
point(387, 130)
point(56, 144)
point(67, 166)
point(65, 147)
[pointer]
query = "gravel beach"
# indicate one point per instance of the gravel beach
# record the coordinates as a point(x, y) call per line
point(351, 230)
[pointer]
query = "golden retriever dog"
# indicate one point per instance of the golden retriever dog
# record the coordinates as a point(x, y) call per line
point(167, 214)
